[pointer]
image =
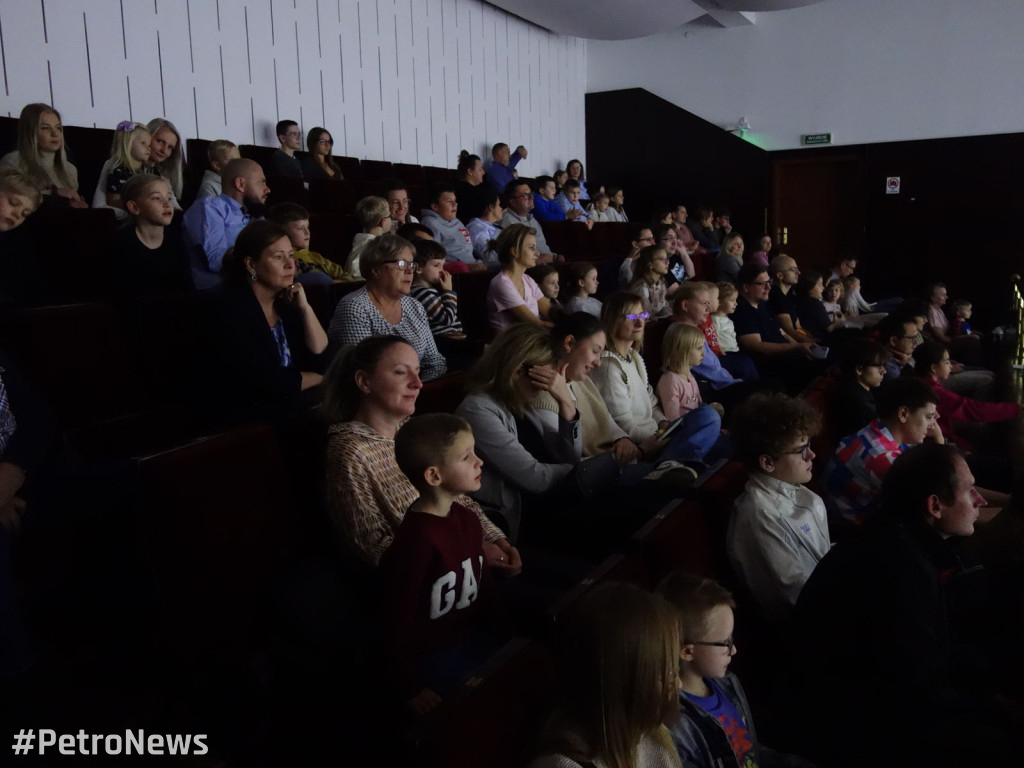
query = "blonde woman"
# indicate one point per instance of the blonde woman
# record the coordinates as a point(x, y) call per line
point(41, 155)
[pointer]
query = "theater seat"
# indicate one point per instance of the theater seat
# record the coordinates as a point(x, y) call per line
point(334, 198)
point(287, 189)
point(471, 288)
point(351, 168)
point(411, 174)
point(331, 235)
point(73, 245)
point(442, 395)
point(680, 537)
point(376, 170)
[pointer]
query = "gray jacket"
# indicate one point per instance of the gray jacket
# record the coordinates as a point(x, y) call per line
point(453, 235)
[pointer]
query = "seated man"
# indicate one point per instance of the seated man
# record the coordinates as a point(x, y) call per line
point(284, 162)
point(642, 237)
point(211, 224)
point(518, 201)
point(903, 572)
point(545, 207)
point(782, 298)
point(778, 530)
point(898, 334)
point(503, 163)
point(448, 230)
point(852, 479)
point(679, 216)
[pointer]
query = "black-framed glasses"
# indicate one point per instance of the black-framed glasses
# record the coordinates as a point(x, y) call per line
point(633, 317)
point(804, 451)
point(325, 141)
point(405, 266)
point(762, 284)
point(728, 643)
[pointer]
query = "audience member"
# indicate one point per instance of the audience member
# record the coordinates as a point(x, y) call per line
point(703, 229)
point(268, 342)
point(581, 285)
point(503, 164)
point(484, 228)
point(649, 272)
point(782, 301)
point(147, 257)
point(312, 267)
point(560, 176)
point(682, 349)
point(219, 153)
point(432, 287)
point(961, 324)
point(369, 391)
point(320, 163)
point(964, 347)
point(778, 531)
point(568, 200)
point(714, 726)
point(211, 224)
point(545, 206)
point(576, 173)
point(374, 215)
point(518, 201)
point(729, 258)
point(852, 479)
point(728, 297)
point(129, 154)
point(469, 185)
point(680, 265)
point(831, 298)
point(437, 591)
point(898, 334)
point(548, 280)
point(642, 238)
point(762, 255)
point(723, 225)
point(683, 233)
point(514, 369)
point(448, 230)
point(600, 210)
point(23, 284)
point(512, 295)
point(861, 371)
point(616, 199)
point(619, 648)
point(811, 313)
point(42, 157)
point(167, 155)
point(383, 307)
point(395, 192)
point(283, 161)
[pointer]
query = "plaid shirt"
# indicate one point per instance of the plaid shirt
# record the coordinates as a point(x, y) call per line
point(853, 476)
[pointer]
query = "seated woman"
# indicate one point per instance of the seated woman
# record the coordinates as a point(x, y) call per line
point(369, 391)
point(516, 367)
point(957, 414)
point(42, 157)
point(470, 190)
point(729, 259)
point(622, 381)
point(778, 531)
point(167, 155)
point(861, 369)
point(383, 307)
point(513, 296)
point(319, 163)
point(269, 341)
point(811, 310)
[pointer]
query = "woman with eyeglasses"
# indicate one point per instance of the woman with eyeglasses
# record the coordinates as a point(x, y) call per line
point(383, 307)
point(622, 381)
point(778, 531)
point(319, 163)
point(270, 344)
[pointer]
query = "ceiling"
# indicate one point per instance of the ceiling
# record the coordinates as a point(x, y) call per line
point(628, 19)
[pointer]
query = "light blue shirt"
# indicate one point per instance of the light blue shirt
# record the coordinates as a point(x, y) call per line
point(710, 368)
point(210, 226)
point(566, 206)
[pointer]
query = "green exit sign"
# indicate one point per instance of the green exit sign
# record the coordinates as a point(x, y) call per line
point(817, 138)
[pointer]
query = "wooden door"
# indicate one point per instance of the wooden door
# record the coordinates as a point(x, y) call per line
point(817, 209)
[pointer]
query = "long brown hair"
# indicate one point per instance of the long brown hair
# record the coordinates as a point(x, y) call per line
point(28, 148)
point(519, 346)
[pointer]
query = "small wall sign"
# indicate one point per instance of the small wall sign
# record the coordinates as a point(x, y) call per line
point(817, 138)
point(892, 185)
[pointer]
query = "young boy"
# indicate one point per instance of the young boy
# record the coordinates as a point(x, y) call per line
point(435, 581)
point(599, 209)
point(569, 201)
point(374, 214)
point(714, 727)
point(312, 267)
point(147, 257)
point(219, 153)
point(961, 325)
point(545, 207)
point(432, 287)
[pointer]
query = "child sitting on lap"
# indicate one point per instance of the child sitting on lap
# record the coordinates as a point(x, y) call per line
point(435, 581)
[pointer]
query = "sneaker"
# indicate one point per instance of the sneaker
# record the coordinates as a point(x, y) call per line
point(673, 474)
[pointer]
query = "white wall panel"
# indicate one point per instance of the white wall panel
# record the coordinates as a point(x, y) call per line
point(410, 81)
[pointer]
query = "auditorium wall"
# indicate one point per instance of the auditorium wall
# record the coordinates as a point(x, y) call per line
point(409, 81)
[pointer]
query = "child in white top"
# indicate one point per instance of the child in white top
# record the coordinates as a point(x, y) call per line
point(375, 215)
point(682, 348)
point(649, 284)
point(219, 153)
point(583, 285)
point(831, 298)
point(599, 209)
point(727, 296)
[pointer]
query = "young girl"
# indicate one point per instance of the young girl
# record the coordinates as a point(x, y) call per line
point(619, 650)
point(319, 163)
point(582, 286)
point(861, 370)
point(560, 176)
point(616, 198)
point(677, 390)
point(649, 272)
point(708, 326)
point(831, 299)
point(546, 277)
point(42, 156)
point(726, 331)
point(129, 155)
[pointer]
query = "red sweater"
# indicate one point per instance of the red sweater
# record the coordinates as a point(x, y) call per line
point(953, 407)
point(708, 326)
point(434, 580)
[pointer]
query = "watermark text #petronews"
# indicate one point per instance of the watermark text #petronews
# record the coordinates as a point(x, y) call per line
point(45, 741)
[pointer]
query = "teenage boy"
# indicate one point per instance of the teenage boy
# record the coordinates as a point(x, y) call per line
point(311, 267)
point(146, 257)
point(219, 153)
point(448, 230)
point(284, 162)
point(545, 206)
point(569, 202)
point(714, 726)
point(435, 580)
point(374, 214)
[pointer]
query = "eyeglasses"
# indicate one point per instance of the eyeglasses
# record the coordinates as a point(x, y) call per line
point(804, 451)
point(762, 284)
point(728, 643)
point(405, 266)
point(325, 141)
point(633, 317)
point(520, 197)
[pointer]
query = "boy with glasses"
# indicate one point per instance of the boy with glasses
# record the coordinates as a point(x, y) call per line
point(778, 531)
point(284, 162)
